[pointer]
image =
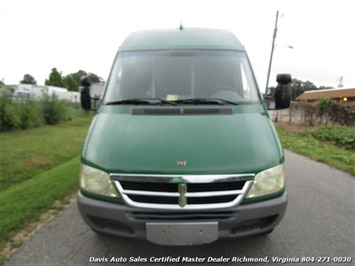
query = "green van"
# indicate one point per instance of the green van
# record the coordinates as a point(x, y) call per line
point(181, 150)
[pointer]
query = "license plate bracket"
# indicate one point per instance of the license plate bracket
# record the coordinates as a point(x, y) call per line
point(182, 233)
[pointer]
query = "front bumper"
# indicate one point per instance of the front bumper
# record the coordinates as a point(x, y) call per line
point(121, 220)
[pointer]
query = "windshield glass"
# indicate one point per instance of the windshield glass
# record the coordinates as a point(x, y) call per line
point(180, 75)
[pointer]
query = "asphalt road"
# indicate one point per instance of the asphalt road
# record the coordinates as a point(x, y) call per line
point(319, 224)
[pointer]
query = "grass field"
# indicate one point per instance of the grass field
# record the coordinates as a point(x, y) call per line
point(38, 167)
point(27, 153)
point(331, 145)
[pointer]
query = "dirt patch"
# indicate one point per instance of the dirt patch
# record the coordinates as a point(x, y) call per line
point(36, 162)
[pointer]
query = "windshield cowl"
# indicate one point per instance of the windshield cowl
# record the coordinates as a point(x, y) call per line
point(152, 101)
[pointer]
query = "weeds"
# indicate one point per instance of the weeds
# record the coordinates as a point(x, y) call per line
point(333, 145)
point(339, 135)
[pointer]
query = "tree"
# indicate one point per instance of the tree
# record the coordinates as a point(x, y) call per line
point(300, 87)
point(55, 79)
point(304, 85)
point(72, 81)
point(28, 79)
point(324, 88)
point(95, 78)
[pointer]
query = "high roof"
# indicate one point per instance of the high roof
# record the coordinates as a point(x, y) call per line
point(332, 93)
point(186, 38)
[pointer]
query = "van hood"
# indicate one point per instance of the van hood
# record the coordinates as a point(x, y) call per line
point(242, 142)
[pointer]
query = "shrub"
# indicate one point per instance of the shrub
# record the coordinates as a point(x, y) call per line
point(27, 113)
point(342, 113)
point(340, 135)
point(30, 113)
point(326, 111)
point(310, 114)
point(10, 118)
point(54, 110)
point(324, 106)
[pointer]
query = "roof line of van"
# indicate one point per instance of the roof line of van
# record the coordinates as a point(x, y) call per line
point(186, 38)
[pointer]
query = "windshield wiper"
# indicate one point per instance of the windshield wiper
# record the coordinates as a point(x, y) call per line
point(153, 101)
point(205, 101)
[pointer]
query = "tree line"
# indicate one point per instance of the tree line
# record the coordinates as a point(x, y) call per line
point(299, 87)
point(25, 113)
point(70, 81)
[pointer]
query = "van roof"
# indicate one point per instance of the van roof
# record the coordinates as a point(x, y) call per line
point(186, 38)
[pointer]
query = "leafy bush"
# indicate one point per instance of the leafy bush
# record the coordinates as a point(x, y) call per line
point(10, 118)
point(326, 111)
point(342, 113)
point(54, 110)
point(324, 106)
point(340, 135)
point(27, 113)
point(30, 114)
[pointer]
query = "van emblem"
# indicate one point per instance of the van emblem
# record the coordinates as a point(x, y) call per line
point(181, 163)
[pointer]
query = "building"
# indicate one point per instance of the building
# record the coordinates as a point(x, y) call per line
point(22, 91)
point(346, 95)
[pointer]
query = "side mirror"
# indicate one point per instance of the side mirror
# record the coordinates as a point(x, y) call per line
point(85, 97)
point(283, 91)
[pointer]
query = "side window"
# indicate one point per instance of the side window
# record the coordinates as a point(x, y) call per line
point(113, 90)
point(246, 89)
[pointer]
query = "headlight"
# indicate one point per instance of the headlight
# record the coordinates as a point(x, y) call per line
point(96, 181)
point(267, 182)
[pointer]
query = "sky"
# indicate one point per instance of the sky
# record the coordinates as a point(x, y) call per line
point(72, 35)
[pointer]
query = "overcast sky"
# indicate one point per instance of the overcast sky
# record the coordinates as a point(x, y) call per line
point(36, 36)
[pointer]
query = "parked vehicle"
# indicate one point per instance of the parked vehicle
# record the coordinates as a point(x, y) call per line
point(182, 150)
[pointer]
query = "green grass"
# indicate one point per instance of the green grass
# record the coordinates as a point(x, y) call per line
point(341, 136)
point(334, 151)
point(24, 154)
point(25, 202)
point(38, 167)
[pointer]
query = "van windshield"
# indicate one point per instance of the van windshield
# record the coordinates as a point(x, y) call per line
point(182, 77)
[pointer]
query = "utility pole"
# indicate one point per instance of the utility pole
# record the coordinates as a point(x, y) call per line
point(272, 53)
point(340, 85)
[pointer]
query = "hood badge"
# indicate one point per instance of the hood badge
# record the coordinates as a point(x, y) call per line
point(181, 163)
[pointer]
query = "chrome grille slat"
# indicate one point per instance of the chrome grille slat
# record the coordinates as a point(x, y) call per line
point(182, 192)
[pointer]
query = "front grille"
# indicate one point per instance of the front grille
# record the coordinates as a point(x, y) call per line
point(154, 199)
point(183, 192)
point(184, 216)
point(209, 200)
point(149, 186)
